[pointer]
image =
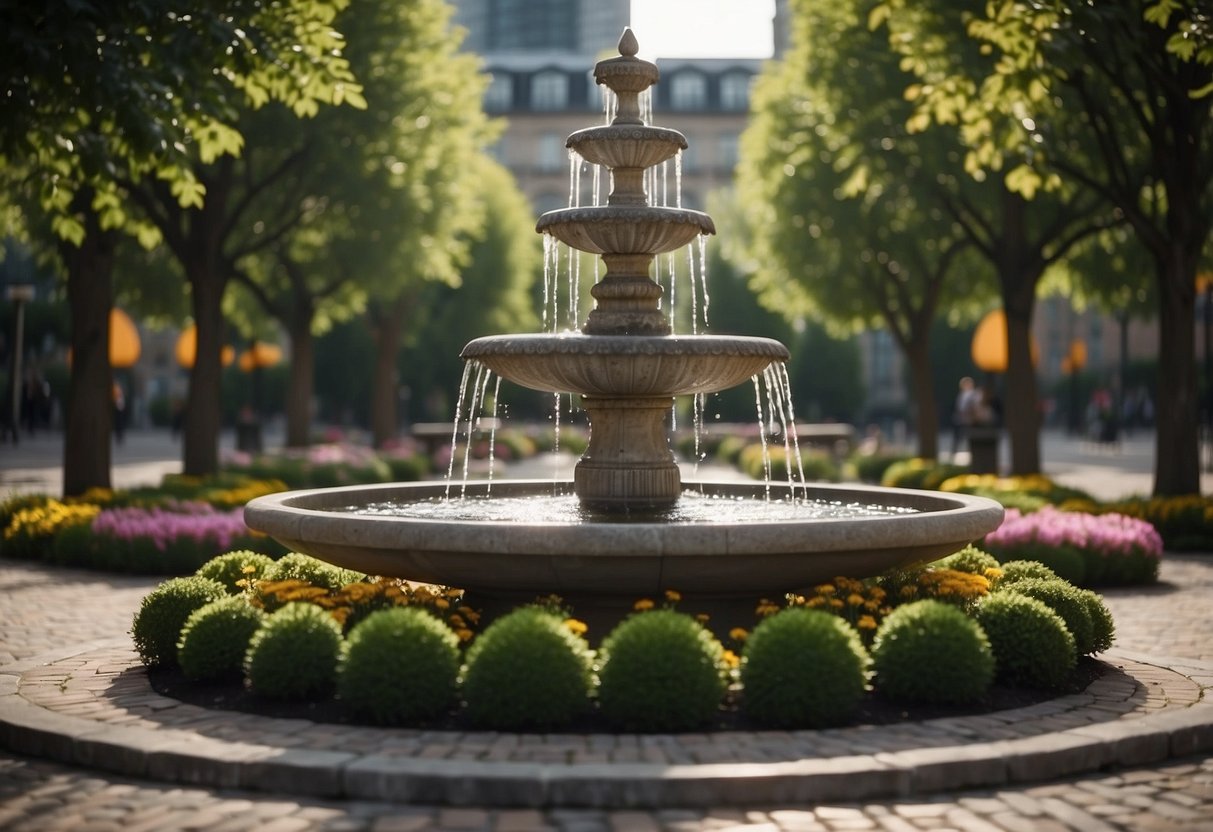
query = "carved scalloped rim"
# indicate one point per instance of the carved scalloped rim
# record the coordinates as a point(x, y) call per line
point(625, 345)
point(627, 214)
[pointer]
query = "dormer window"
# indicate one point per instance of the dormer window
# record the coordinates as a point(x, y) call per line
point(689, 91)
point(549, 91)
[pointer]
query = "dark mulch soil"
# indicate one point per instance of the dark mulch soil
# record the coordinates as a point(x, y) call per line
point(874, 710)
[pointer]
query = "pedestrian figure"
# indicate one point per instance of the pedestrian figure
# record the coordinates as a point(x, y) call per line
point(964, 412)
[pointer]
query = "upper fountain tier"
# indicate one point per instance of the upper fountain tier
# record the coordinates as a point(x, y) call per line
point(627, 231)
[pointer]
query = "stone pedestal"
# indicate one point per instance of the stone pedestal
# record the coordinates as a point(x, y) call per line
point(628, 463)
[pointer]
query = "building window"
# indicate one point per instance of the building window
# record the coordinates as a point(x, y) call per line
point(689, 91)
point(531, 24)
point(552, 155)
point(735, 92)
point(549, 91)
point(726, 151)
point(500, 94)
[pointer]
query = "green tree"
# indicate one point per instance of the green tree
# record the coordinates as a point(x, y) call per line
point(493, 296)
point(101, 95)
point(383, 195)
point(428, 207)
point(1133, 82)
point(895, 206)
point(848, 219)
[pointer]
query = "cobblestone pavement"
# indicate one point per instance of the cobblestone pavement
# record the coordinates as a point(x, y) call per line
point(45, 609)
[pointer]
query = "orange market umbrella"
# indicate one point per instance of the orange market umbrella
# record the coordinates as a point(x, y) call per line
point(186, 350)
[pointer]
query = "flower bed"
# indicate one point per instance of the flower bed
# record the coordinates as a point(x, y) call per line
point(1185, 523)
point(906, 639)
point(167, 531)
point(1086, 549)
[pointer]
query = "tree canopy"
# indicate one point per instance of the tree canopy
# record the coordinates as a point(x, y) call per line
point(100, 95)
point(1130, 83)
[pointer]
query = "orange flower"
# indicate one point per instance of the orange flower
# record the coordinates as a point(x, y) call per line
point(643, 604)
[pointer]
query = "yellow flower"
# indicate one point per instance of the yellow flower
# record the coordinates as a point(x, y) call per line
point(457, 621)
point(739, 634)
point(702, 618)
point(643, 604)
point(825, 589)
point(766, 607)
point(464, 634)
point(866, 622)
point(576, 627)
point(836, 603)
point(673, 596)
point(442, 603)
point(730, 658)
point(816, 601)
point(855, 599)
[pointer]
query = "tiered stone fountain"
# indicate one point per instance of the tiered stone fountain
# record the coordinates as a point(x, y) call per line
point(627, 366)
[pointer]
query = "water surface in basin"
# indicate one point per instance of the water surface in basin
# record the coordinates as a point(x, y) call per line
point(564, 509)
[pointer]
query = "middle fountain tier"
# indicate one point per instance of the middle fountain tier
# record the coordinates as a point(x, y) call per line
point(625, 363)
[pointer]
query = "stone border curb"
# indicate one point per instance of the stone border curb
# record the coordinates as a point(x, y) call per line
point(181, 756)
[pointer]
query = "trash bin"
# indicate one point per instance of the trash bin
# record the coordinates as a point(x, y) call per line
point(983, 450)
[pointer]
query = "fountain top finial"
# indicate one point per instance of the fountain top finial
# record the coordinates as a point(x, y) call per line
point(628, 45)
point(627, 76)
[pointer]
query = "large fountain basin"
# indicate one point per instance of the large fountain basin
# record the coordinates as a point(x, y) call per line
point(631, 366)
point(621, 559)
point(625, 229)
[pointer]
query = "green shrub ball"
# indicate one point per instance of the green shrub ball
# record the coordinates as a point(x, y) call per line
point(300, 567)
point(400, 667)
point(970, 559)
point(229, 569)
point(1018, 570)
point(660, 670)
point(1066, 600)
point(929, 651)
point(1031, 643)
point(294, 654)
point(1103, 628)
point(803, 668)
point(164, 611)
point(527, 670)
point(215, 638)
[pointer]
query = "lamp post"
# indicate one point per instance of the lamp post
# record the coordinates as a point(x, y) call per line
point(19, 294)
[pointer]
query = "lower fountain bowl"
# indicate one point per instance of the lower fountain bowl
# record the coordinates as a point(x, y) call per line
point(607, 559)
point(631, 366)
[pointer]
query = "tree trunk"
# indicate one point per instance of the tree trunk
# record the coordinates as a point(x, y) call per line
point(1177, 446)
point(88, 415)
point(1018, 278)
point(203, 410)
point(301, 384)
point(922, 393)
point(386, 330)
